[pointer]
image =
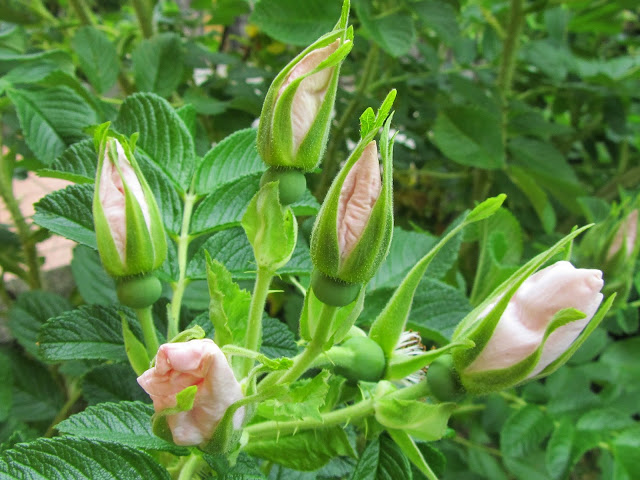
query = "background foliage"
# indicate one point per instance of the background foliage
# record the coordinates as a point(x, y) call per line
point(538, 99)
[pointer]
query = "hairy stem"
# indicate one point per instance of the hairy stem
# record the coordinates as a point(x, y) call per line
point(22, 229)
point(191, 467)
point(148, 330)
point(183, 246)
point(254, 330)
point(82, 11)
point(315, 347)
point(145, 17)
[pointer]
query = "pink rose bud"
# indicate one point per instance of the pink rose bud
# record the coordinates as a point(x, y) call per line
point(112, 194)
point(626, 235)
point(181, 365)
point(521, 328)
point(311, 92)
point(358, 195)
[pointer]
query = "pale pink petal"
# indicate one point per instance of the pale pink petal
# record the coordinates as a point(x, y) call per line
point(310, 94)
point(358, 195)
point(181, 365)
point(520, 330)
point(112, 196)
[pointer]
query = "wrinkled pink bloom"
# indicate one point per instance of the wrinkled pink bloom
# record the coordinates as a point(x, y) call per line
point(521, 328)
point(181, 365)
point(112, 195)
point(627, 234)
point(310, 93)
point(358, 195)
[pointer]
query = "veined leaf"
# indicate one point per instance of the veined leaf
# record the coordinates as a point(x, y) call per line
point(98, 57)
point(158, 63)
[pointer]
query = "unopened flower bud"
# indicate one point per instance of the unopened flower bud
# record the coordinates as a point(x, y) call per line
point(182, 365)
point(353, 230)
point(624, 239)
point(129, 230)
point(296, 115)
point(532, 332)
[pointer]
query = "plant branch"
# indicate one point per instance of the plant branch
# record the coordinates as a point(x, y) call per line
point(82, 10)
point(144, 13)
point(145, 318)
point(191, 467)
point(183, 246)
point(74, 395)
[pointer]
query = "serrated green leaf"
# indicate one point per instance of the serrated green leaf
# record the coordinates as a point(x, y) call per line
point(523, 431)
point(232, 248)
point(440, 17)
point(558, 454)
point(292, 22)
point(98, 57)
point(30, 312)
point(126, 423)
point(93, 283)
point(367, 465)
point(68, 213)
point(234, 157)
point(537, 196)
point(303, 400)
point(90, 332)
point(158, 64)
point(77, 163)
point(51, 119)
point(32, 72)
point(306, 451)
point(163, 134)
point(112, 383)
point(36, 395)
point(470, 136)
point(392, 463)
point(277, 340)
point(6, 382)
point(394, 32)
point(367, 122)
point(68, 457)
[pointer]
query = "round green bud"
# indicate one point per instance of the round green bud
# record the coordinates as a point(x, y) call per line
point(332, 291)
point(139, 292)
point(291, 183)
point(443, 380)
point(366, 361)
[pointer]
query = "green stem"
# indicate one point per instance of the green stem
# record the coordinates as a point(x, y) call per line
point(74, 395)
point(336, 417)
point(22, 229)
point(145, 17)
point(256, 309)
point(82, 11)
point(4, 294)
point(315, 347)
point(148, 330)
point(469, 444)
point(330, 160)
point(183, 246)
point(191, 467)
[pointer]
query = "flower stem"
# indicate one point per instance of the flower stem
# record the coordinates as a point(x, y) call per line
point(145, 17)
point(183, 246)
point(82, 11)
point(74, 395)
point(315, 347)
point(22, 229)
point(336, 417)
point(254, 328)
point(191, 467)
point(148, 330)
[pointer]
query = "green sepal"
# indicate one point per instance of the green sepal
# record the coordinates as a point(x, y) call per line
point(271, 229)
point(226, 438)
point(136, 351)
point(411, 450)
point(193, 333)
point(479, 329)
point(184, 403)
point(146, 246)
point(401, 366)
point(421, 420)
point(217, 315)
point(372, 247)
point(275, 137)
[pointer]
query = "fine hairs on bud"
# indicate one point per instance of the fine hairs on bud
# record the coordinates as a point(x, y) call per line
point(358, 195)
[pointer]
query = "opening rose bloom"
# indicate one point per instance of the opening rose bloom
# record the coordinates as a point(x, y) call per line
point(182, 365)
point(526, 338)
point(129, 229)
